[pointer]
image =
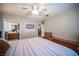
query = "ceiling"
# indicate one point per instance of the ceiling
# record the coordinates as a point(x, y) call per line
point(24, 9)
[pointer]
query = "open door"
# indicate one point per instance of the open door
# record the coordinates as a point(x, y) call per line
point(11, 30)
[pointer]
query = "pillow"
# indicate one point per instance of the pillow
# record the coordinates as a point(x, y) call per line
point(4, 46)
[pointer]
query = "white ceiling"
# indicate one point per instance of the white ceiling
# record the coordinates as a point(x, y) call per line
point(45, 9)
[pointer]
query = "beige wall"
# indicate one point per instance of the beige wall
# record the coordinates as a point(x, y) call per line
point(26, 33)
point(64, 25)
point(1, 24)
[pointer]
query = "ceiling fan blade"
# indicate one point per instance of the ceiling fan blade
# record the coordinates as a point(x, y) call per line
point(27, 8)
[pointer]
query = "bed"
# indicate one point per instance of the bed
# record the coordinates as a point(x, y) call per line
point(38, 47)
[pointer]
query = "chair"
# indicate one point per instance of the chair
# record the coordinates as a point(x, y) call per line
point(4, 46)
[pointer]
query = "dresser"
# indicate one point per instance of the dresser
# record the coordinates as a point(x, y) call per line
point(12, 35)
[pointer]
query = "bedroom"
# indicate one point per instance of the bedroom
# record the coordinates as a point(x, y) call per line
point(56, 22)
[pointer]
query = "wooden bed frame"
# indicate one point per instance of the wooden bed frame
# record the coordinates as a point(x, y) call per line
point(70, 44)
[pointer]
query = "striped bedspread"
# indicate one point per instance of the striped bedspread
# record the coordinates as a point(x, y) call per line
point(38, 47)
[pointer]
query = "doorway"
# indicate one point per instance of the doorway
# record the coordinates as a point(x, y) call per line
point(11, 30)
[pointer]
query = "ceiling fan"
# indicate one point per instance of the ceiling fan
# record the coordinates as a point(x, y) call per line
point(35, 9)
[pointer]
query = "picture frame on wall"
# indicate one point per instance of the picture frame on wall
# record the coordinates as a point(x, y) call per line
point(29, 26)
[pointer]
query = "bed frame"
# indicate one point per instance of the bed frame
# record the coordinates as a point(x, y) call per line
point(70, 44)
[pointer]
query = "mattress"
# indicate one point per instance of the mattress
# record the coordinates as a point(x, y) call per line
point(38, 47)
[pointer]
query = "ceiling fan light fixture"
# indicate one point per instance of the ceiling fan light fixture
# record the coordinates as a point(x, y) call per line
point(35, 10)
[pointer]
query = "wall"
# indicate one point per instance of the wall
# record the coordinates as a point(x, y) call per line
point(42, 29)
point(24, 33)
point(1, 26)
point(64, 25)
